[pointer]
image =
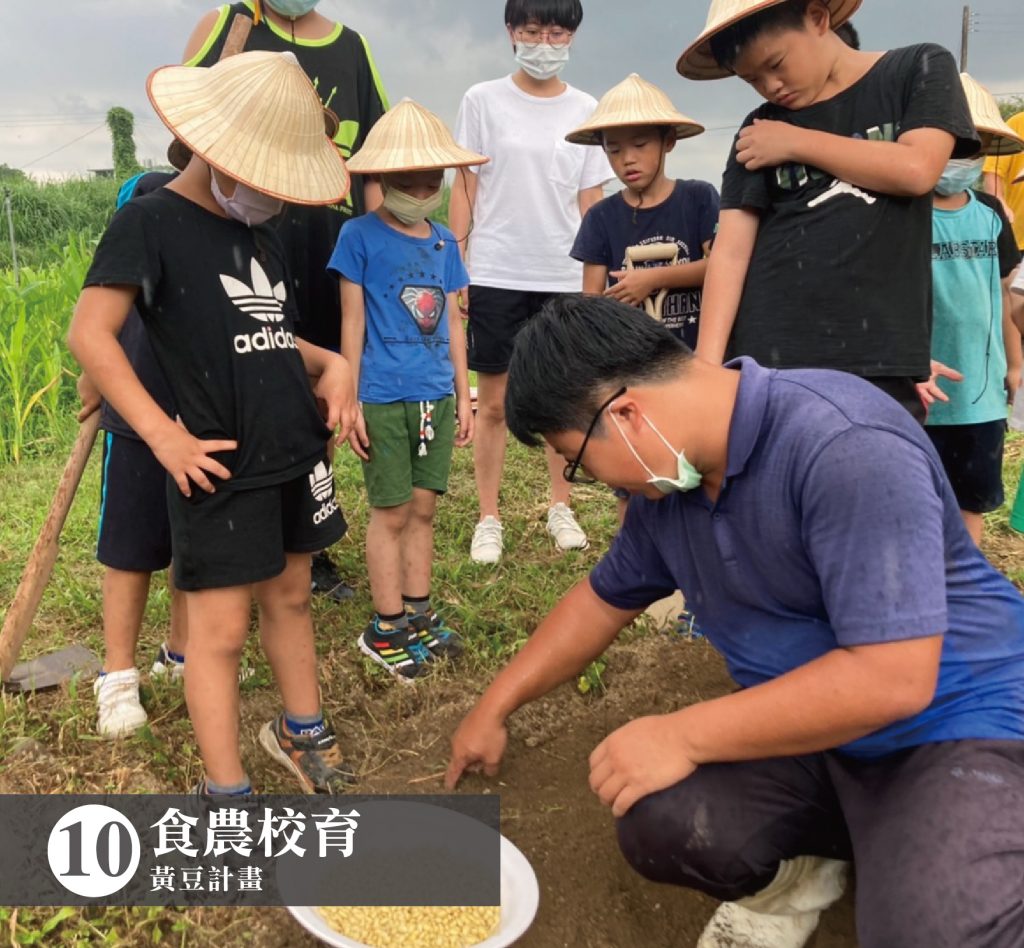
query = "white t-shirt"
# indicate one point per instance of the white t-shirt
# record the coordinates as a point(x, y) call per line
point(1018, 281)
point(527, 213)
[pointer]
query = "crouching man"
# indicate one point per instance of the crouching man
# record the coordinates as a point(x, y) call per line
point(880, 657)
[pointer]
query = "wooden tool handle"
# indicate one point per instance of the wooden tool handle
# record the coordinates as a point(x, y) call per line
point(238, 36)
point(40, 564)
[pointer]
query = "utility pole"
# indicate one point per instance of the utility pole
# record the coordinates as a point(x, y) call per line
point(964, 39)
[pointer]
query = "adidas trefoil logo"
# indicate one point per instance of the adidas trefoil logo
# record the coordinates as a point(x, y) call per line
point(265, 303)
point(321, 485)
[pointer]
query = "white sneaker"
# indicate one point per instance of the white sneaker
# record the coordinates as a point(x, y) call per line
point(117, 697)
point(164, 665)
point(733, 926)
point(563, 527)
point(487, 542)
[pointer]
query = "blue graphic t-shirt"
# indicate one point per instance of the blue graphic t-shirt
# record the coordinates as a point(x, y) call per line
point(973, 249)
point(688, 219)
point(406, 282)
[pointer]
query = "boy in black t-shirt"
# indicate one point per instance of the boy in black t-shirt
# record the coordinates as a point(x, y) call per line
point(213, 290)
point(822, 257)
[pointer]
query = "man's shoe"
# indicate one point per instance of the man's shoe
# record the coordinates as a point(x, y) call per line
point(435, 635)
point(399, 652)
point(733, 926)
point(487, 541)
point(563, 527)
point(164, 665)
point(326, 581)
point(117, 699)
point(316, 761)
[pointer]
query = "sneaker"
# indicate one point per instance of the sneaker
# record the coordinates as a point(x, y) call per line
point(316, 761)
point(201, 792)
point(686, 626)
point(733, 926)
point(163, 665)
point(487, 545)
point(325, 580)
point(117, 697)
point(563, 527)
point(440, 640)
point(400, 653)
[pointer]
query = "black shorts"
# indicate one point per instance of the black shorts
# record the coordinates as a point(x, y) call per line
point(904, 390)
point(495, 318)
point(238, 537)
point(134, 533)
point(973, 458)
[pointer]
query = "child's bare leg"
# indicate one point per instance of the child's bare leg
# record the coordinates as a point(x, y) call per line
point(286, 633)
point(417, 544)
point(384, 535)
point(178, 636)
point(975, 523)
point(219, 622)
point(560, 487)
point(124, 604)
point(489, 442)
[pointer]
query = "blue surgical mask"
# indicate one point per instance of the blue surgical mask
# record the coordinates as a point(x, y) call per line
point(961, 175)
point(292, 9)
point(687, 476)
point(542, 61)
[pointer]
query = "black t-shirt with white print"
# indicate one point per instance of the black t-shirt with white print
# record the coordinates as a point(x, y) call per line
point(840, 276)
point(214, 297)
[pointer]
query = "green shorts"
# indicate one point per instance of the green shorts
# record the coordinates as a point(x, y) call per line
point(396, 465)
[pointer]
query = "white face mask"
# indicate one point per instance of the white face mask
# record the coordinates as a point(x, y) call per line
point(688, 477)
point(246, 205)
point(960, 175)
point(542, 61)
point(409, 210)
point(292, 8)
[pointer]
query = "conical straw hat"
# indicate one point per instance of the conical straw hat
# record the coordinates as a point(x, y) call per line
point(257, 118)
point(997, 138)
point(410, 138)
point(634, 101)
point(697, 61)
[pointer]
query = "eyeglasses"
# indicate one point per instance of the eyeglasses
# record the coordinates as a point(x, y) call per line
point(572, 469)
point(534, 35)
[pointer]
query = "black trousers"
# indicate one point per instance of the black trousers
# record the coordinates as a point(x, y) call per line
point(936, 835)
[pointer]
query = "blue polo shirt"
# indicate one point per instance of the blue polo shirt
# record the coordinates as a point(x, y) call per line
point(835, 527)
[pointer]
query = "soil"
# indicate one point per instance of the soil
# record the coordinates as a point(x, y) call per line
point(590, 898)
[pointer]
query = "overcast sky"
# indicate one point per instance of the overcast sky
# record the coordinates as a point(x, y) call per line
point(59, 76)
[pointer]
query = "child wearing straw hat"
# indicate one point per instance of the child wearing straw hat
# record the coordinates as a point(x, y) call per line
point(822, 253)
point(637, 126)
point(251, 492)
point(403, 336)
point(974, 255)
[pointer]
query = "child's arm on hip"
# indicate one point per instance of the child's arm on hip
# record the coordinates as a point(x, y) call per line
point(724, 279)
point(908, 167)
point(92, 339)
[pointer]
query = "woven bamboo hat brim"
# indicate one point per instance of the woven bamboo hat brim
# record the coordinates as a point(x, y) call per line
point(634, 101)
point(257, 118)
point(1019, 179)
point(997, 138)
point(410, 138)
point(698, 63)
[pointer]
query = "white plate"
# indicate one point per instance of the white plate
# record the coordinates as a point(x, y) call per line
point(520, 896)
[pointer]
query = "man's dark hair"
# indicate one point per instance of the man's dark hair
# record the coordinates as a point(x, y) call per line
point(727, 46)
point(568, 14)
point(574, 354)
point(849, 35)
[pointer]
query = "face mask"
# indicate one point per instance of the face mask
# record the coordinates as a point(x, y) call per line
point(959, 176)
point(409, 210)
point(542, 61)
point(688, 477)
point(246, 205)
point(292, 9)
